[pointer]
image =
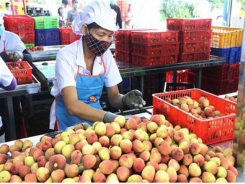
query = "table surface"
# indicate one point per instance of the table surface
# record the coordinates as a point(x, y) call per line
point(130, 70)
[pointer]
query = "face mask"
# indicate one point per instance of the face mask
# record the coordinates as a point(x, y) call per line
point(95, 46)
point(8, 8)
point(61, 12)
point(75, 6)
point(2, 29)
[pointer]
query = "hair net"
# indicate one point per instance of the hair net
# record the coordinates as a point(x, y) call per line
point(97, 11)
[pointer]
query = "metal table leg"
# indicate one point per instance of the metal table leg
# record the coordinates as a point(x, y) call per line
point(11, 124)
point(142, 84)
point(199, 78)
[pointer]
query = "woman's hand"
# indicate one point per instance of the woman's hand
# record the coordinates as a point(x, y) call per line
point(133, 99)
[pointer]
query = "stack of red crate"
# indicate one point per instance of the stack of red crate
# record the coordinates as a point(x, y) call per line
point(218, 79)
point(195, 37)
point(154, 47)
point(22, 25)
point(123, 45)
point(67, 36)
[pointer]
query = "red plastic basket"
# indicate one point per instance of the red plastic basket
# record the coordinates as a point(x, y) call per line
point(154, 37)
point(222, 72)
point(216, 86)
point(18, 23)
point(123, 56)
point(156, 50)
point(124, 35)
point(26, 36)
point(125, 46)
point(21, 70)
point(182, 76)
point(154, 60)
point(67, 36)
point(187, 24)
point(190, 47)
point(195, 36)
point(188, 57)
point(209, 130)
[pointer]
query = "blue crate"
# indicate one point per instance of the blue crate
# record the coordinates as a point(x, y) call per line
point(125, 84)
point(221, 52)
point(46, 37)
point(235, 54)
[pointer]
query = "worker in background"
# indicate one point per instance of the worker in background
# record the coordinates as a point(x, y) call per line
point(7, 82)
point(62, 20)
point(13, 49)
point(72, 13)
point(116, 8)
point(11, 46)
point(85, 67)
point(66, 8)
point(129, 17)
point(8, 10)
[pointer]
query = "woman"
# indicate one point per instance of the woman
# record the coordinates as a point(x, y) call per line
point(11, 46)
point(13, 49)
point(84, 67)
point(62, 21)
point(7, 82)
point(71, 15)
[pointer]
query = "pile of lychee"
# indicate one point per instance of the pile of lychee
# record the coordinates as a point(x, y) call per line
point(200, 108)
point(133, 150)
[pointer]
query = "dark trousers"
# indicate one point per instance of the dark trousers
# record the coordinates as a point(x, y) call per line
point(17, 116)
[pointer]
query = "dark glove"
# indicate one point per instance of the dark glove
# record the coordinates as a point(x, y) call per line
point(109, 117)
point(16, 56)
point(133, 99)
point(86, 125)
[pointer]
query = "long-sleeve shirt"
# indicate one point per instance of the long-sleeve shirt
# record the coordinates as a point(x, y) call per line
point(7, 80)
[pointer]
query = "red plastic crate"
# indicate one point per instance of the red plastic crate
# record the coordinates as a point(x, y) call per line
point(187, 24)
point(124, 35)
point(156, 50)
point(222, 72)
point(26, 36)
point(214, 85)
point(67, 36)
point(123, 56)
point(18, 23)
point(154, 37)
point(154, 60)
point(188, 57)
point(211, 131)
point(190, 47)
point(125, 46)
point(21, 70)
point(195, 36)
point(182, 76)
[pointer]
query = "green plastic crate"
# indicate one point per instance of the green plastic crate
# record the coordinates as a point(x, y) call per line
point(30, 44)
point(46, 22)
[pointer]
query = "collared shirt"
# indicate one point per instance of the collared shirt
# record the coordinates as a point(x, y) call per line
point(11, 41)
point(70, 57)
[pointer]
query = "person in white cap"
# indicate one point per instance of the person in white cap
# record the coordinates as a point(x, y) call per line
point(13, 49)
point(84, 67)
point(11, 46)
point(7, 82)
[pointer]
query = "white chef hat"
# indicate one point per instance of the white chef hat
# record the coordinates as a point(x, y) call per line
point(97, 11)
